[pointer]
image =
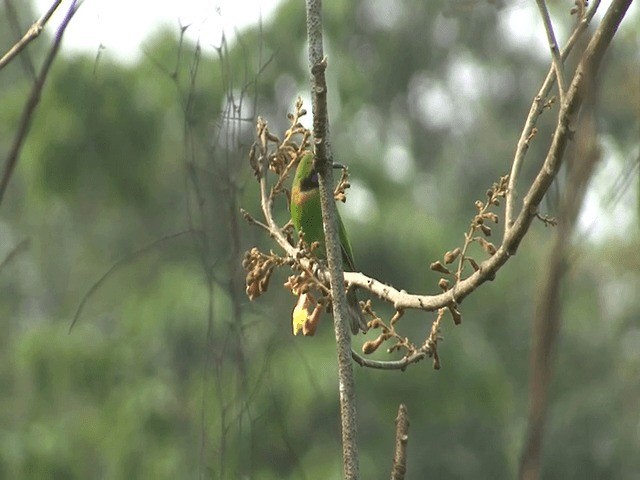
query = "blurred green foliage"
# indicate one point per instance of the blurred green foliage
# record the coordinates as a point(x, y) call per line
point(171, 373)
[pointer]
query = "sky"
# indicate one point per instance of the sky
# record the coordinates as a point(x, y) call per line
point(121, 26)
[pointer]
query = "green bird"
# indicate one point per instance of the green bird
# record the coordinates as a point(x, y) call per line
point(306, 215)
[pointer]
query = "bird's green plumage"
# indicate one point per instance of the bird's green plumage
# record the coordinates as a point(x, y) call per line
point(306, 214)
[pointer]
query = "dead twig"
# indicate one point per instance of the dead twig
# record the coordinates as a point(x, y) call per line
point(13, 253)
point(553, 46)
point(32, 102)
point(123, 261)
point(399, 468)
point(31, 34)
point(540, 102)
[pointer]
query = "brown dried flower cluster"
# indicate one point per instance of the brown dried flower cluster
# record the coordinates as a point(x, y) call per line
point(411, 351)
point(478, 231)
point(339, 192)
point(259, 267)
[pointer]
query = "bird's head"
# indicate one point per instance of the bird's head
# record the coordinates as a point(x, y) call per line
point(306, 175)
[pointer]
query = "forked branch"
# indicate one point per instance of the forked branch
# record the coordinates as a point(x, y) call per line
point(515, 227)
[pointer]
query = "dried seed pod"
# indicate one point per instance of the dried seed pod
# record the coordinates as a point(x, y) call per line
point(487, 246)
point(473, 263)
point(310, 326)
point(438, 267)
point(372, 345)
point(375, 323)
point(486, 230)
point(444, 284)
point(252, 289)
point(491, 216)
point(436, 360)
point(455, 313)
point(451, 255)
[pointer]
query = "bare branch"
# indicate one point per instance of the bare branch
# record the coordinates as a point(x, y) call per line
point(399, 468)
point(586, 71)
point(279, 162)
point(252, 221)
point(32, 102)
point(548, 312)
point(401, 364)
point(540, 102)
point(31, 34)
point(17, 30)
point(553, 45)
point(317, 65)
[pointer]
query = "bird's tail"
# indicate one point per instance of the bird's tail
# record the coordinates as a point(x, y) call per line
point(358, 321)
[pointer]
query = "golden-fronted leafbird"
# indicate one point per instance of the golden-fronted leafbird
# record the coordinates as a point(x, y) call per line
point(306, 215)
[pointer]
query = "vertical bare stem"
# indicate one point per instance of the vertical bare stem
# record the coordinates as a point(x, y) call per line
point(402, 439)
point(548, 315)
point(317, 65)
point(553, 45)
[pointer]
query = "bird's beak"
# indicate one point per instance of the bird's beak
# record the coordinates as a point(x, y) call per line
point(339, 165)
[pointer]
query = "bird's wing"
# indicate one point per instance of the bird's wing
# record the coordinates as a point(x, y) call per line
point(345, 246)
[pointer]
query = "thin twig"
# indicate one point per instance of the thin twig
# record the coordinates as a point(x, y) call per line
point(32, 102)
point(22, 245)
point(32, 33)
point(17, 30)
point(401, 364)
point(548, 312)
point(123, 261)
point(399, 468)
point(537, 107)
point(252, 221)
point(553, 45)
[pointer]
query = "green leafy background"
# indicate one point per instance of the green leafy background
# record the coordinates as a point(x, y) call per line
point(170, 372)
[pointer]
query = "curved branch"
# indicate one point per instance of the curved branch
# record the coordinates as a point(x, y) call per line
point(586, 70)
point(123, 261)
point(401, 364)
point(32, 102)
point(514, 232)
